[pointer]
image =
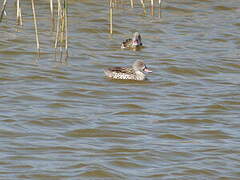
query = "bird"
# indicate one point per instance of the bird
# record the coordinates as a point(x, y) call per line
point(133, 43)
point(136, 72)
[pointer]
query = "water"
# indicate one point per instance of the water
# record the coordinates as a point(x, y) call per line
point(66, 121)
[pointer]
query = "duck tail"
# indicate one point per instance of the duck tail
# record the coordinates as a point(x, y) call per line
point(107, 73)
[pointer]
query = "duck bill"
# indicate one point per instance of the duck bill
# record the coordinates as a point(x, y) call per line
point(147, 70)
point(135, 42)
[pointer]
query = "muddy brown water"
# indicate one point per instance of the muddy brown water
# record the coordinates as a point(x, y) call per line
point(66, 121)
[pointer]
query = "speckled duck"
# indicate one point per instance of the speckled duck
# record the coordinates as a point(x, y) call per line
point(136, 72)
point(133, 43)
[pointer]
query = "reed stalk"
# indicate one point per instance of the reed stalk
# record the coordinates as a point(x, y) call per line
point(152, 7)
point(111, 16)
point(36, 29)
point(58, 26)
point(52, 13)
point(132, 4)
point(3, 9)
point(61, 39)
point(19, 14)
point(57, 31)
point(144, 7)
point(159, 8)
point(66, 27)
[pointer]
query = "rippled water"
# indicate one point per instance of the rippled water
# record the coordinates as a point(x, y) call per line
point(67, 121)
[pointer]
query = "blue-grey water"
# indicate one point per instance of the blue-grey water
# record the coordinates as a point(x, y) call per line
point(67, 121)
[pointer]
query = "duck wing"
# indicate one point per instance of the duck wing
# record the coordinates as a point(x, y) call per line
point(124, 70)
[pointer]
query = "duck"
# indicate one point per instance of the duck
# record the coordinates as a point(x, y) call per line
point(133, 43)
point(136, 72)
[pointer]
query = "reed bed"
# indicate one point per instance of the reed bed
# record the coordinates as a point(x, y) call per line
point(145, 4)
point(59, 28)
point(59, 20)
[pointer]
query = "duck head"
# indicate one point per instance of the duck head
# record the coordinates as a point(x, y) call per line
point(140, 66)
point(137, 40)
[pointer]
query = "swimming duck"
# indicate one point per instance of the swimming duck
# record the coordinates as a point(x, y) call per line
point(133, 43)
point(134, 73)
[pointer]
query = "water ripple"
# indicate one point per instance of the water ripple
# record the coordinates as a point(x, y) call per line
point(67, 121)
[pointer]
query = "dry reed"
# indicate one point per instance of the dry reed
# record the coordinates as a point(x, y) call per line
point(19, 14)
point(144, 7)
point(61, 24)
point(58, 26)
point(115, 3)
point(111, 17)
point(61, 38)
point(159, 8)
point(52, 13)
point(132, 5)
point(36, 29)
point(3, 10)
point(66, 27)
point(152, 7)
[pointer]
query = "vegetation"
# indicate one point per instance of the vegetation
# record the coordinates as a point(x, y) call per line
point(60, 20)
point(60, 27)
point(144, 3)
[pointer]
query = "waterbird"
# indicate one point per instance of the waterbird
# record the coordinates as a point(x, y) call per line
point(133, 43)
point(136, 72)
